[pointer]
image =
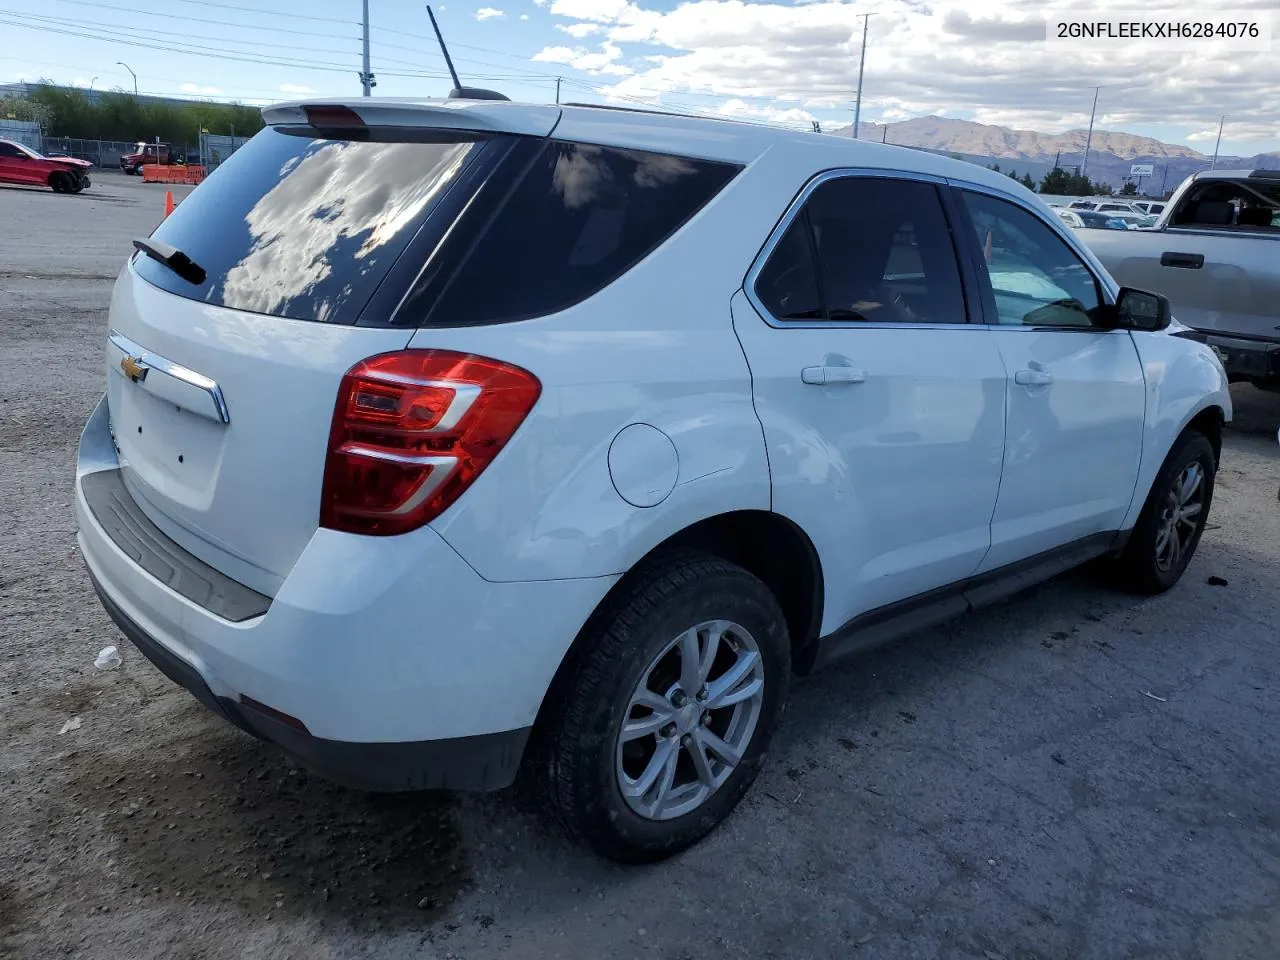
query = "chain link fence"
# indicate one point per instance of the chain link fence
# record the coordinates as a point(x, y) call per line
point(214, 148)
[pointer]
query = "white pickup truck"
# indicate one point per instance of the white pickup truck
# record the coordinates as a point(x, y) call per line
point(1215, 253)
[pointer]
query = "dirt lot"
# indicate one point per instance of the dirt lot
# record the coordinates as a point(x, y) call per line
point(1076, 774)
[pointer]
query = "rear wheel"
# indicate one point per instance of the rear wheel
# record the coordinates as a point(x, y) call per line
point(663, 720)
point(1169, 528)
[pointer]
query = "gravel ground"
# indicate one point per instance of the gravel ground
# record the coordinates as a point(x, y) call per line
point(1074, 774)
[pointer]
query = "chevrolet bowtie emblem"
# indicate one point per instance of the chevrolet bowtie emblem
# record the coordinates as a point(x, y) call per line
point(134, 369)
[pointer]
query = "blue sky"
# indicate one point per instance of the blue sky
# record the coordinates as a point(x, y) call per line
point(779, 61)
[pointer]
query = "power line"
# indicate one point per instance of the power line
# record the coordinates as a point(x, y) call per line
point(129, 31)
point(210, 52)
point(273, 13)
point(221, 23)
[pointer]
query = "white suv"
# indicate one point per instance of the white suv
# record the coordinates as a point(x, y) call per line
point(445, 437)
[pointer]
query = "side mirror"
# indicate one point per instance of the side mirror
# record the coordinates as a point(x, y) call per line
point(1142, 310)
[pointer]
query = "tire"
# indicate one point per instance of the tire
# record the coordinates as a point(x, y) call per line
point(1146, 565)
point(60, 183)
point(578, 758)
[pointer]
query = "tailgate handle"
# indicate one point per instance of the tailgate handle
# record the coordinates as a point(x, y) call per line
point(178, 385)
point(1188, 261)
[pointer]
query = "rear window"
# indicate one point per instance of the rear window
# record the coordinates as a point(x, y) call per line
point(578, 218)
point(294, 225)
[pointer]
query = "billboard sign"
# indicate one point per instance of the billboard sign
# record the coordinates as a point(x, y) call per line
point(1142, 169)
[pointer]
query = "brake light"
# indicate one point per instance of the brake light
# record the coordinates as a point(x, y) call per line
point(411, 431)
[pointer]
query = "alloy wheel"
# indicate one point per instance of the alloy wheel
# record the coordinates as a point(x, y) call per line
point(690, 720)
point(1180, 516)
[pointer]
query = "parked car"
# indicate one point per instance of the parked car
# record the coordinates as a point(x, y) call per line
point(442, 438)
point(20, 164)
point(1100, 221)
point(1215, 253)
point(1070, 217)
point(1131, 218)
point(145, 153)
point(1151, 207)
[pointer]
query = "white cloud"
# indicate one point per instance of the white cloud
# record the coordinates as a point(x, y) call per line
point(741, 110)
point(600, 61)
point(524, 16)
point(199, 90)
point(489, 13)
point(296, 88)
point(579, 30)
point(986, 59)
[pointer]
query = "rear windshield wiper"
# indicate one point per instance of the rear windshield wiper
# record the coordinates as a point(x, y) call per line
point(173, 258)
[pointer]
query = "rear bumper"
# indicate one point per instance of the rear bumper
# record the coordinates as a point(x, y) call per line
point(485, 762)
point(1247, 359)
point(383, 663)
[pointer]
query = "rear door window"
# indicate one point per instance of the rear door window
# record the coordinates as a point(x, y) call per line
point(883, 252)
point(295, 225)
point(579, 217)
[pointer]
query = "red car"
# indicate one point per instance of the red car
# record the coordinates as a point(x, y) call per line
point(21, 164)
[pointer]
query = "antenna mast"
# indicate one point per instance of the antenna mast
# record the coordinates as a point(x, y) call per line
point(457, 84)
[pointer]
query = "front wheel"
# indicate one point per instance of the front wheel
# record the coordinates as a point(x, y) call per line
point(61, 183)
point(1173, 518)
point(666, 713)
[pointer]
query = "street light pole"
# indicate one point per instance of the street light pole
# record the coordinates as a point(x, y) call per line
point(1221, 123)
point(862, 62)
point(366, 77)
point(121, 63)
point(1088, 141)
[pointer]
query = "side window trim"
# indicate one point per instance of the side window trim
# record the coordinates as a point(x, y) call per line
point(797, 207)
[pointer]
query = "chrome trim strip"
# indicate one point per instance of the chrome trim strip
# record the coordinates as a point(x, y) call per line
point(175, 370)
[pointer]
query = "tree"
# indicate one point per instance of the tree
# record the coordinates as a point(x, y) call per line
point(1061, 183)
point(122, 116)
point(20, 108)
point(1028, 182)
point(1130, 189)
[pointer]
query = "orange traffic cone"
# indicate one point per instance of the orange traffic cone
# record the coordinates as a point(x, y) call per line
point(168, 202)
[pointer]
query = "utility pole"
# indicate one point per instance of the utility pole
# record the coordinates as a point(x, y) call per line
point(557, 89)
point(862, 62)
point(1165, 181)
point(884, 133)
point(121, 63)
point(366, 77)
point(1088, 142)
point(1221, 123)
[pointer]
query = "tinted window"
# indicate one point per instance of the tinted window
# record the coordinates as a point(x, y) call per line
point(1036, 279)
point(295, 226)
point(8, 150)
point(579, 218)
point(788, 283)
point(884, 252)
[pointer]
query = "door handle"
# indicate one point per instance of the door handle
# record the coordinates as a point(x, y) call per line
point(832, 373)
point(1188, 261)
point(1033, 378)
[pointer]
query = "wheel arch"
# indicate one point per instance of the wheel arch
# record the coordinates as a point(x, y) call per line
point(768, 545)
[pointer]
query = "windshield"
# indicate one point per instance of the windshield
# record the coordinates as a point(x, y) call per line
point(28, 151)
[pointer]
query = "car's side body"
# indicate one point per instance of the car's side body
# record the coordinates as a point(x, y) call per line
point(674, 410)
point(22, 165)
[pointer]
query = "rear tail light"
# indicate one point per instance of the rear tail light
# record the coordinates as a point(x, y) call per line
point(411, 431)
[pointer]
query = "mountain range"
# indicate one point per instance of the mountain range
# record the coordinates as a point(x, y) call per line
point(1111, 154)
